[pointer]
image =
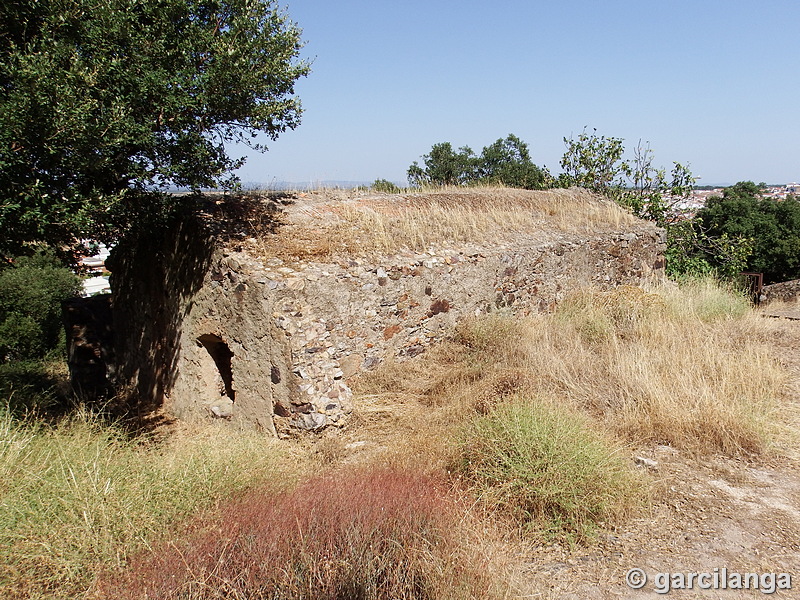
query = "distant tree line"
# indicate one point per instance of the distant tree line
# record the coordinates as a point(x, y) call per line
point(740, 230)
point(507, 162)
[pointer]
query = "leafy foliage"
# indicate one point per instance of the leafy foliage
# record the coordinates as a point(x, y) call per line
point(506, 162)
point(444, 166)
point(692, 252)
point(772, 228)
point(31, 292)
point(103, 104)
point(385, 186)
point(597, 163)
point(594, 163)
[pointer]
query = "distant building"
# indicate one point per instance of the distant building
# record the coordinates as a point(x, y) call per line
point(96, 265)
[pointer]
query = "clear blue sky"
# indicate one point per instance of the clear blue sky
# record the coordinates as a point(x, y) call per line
point(712, 83)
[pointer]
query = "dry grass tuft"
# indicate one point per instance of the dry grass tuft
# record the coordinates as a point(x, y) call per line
point(81, 496)
point(364, 533)
point(545, 467)
point(384, 224)
point(682, 366)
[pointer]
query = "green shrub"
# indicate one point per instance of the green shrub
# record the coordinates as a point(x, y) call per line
point(385, 186)
point(31, 292)
point(34, 386)
point(546, 468)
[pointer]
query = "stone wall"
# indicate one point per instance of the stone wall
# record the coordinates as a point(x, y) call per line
point(213, 332)
point(340, 318)
point(786, 291)
point(235, 363)
point(191, 336)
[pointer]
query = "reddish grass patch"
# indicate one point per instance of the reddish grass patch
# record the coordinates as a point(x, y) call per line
point(359, 535)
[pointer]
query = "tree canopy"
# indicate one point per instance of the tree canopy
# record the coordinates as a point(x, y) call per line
point(772, 226)
point(597, 163)
point(103, 105)
point(505, 162)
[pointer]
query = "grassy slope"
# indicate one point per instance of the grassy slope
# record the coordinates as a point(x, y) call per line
point(555, 400)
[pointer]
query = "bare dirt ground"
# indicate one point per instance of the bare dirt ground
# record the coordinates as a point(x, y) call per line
point(706, 514)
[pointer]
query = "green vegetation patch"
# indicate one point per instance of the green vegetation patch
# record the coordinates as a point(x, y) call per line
point(79, 497)
point(546, 468)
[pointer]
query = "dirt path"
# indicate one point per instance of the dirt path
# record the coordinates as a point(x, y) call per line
point(720, 513)
point(710, 514)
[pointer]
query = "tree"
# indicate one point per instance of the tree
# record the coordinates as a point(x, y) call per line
point(508, 162)
point(505, 162)
point(444, 166)
point(594, 163)
point(385, 186)
point(692, 251)
point(597, 163)
point(104, 105)
point(773, 226)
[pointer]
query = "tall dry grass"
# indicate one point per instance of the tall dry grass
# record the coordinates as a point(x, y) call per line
point(535, 413)
point(367, 533)
point(478, 215)
point(79, 497)
point(680, 366)
point(380, 225)
point(688, 366)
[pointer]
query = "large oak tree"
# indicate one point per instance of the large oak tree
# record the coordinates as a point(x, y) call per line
point(105, 104)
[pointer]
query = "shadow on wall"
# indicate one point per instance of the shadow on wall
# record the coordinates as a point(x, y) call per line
point(90, 345)
point(153, 279)
point(221, 354)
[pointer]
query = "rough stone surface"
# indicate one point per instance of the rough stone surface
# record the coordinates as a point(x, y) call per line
point(344, 320)
point(214, 331)
point(786, 291)
point(194, 333)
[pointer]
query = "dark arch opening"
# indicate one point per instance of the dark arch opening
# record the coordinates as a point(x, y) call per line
point(221, 355)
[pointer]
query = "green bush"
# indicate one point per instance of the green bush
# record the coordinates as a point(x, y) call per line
point(34, 386)
point(772, 229)
point(31, 292)
point(544, 466)
point(505, 162)
point(385, 186)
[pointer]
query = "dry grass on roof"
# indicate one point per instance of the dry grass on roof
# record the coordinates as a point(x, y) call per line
point(322, 224)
